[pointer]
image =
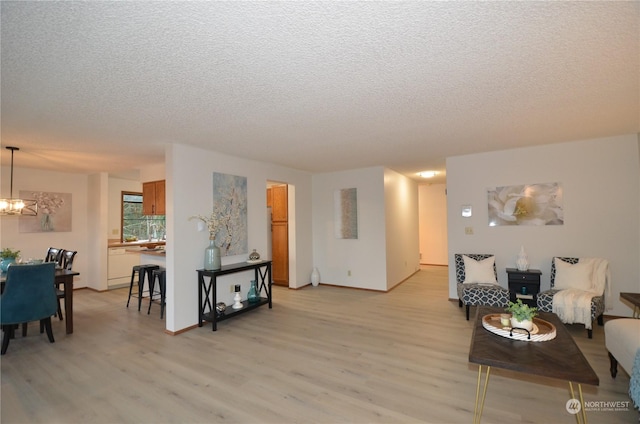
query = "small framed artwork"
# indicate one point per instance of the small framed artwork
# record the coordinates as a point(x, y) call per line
point(346, 213)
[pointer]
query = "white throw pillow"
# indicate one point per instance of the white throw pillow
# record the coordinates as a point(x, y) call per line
point(573, 276)
point(479, 272)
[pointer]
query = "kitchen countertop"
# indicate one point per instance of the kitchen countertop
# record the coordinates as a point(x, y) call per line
point(153, 252)
point(139, 243)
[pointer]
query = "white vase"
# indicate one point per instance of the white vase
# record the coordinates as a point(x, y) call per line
point(526, 324)
point(522, 263)
point(315, 277)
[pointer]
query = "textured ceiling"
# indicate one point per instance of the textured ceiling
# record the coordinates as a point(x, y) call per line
point(316, 86)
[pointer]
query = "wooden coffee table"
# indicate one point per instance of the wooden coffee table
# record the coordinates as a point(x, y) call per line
point(634, 299)
point(559, 358)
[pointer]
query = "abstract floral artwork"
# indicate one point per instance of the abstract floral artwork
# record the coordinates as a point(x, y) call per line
point(346, 213)
point(230, 202)
point(54, 212)
point(534, 204)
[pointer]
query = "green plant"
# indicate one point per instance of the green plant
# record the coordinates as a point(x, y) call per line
point(521, 311)
point(8, 253)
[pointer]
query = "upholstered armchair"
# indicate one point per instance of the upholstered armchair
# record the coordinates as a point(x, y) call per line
point(577, 293)
point(29, 295)
point(477, 282)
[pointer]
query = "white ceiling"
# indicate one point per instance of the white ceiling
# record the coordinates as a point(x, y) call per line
point(316, 86)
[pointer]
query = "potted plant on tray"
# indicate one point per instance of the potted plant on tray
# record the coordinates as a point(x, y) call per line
point(521, 315)
point(8, 256)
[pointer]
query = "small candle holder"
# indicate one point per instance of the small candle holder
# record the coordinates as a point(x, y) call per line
point(237, 298)
point(505, 320)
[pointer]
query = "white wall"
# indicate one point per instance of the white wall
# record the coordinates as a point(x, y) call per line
point(601, 205)
point(432, 210)
point(190, 192)
point(154, 172)
point(363, 257)
point(35, 245)
point(386, 250)
point(96, 232)
point(401, 228)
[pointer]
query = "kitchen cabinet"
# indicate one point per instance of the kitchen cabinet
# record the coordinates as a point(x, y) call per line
point(119, 266)
point(153, 198)
point(277, 198)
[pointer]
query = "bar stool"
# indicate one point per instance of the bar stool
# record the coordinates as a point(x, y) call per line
point(160, 275)
point(142, 271)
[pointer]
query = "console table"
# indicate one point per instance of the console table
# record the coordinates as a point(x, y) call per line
point(207, 283)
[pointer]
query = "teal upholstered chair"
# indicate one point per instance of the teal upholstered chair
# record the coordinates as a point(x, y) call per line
point(29, 295)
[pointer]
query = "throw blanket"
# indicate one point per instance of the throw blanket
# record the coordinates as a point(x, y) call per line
point(634, 382)
point(573, 306)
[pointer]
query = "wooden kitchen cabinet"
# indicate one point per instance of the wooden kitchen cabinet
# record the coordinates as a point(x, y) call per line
point(153, 198)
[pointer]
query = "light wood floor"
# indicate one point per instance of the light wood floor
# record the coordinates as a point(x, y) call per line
point(321, 355)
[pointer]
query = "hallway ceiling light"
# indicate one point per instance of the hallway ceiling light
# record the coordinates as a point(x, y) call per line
point(428, 174)
point(11, 206)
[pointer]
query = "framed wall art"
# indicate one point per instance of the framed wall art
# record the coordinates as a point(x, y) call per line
point(54, 212)
point(230, 198)
point(346, 213)
point(527, 204)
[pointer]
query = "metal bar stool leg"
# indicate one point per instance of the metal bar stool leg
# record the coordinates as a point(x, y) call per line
point(152, 282)
point(134, 271)
point(163, 292)
point(141, 276)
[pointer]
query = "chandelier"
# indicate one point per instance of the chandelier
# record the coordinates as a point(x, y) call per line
point(11, 206)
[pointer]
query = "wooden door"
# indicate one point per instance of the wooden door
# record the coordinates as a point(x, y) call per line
point(277, 199)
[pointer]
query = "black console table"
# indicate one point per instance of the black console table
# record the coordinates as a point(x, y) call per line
point(207, 283)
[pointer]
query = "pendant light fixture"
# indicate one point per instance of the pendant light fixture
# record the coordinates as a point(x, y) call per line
point(13, 206)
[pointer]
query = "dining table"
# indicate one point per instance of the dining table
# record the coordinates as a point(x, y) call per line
point(64, 278)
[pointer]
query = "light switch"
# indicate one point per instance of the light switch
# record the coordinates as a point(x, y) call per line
point(468, 230)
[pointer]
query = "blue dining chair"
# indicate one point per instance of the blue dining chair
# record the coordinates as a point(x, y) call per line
point(29, 295)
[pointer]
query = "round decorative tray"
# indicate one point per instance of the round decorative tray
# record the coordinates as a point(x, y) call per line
point(542, 330)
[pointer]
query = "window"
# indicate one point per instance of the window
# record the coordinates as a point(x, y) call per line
point(136, 226)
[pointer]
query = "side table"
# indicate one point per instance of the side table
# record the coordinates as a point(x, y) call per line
point(634, 299)
point(524, 285)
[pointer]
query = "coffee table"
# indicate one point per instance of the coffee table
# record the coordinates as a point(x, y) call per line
point(634, 299)
point(559, 358)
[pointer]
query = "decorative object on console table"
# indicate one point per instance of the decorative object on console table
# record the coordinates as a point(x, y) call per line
point(253, 295)
point(214, 222)
point(237, 298)
point(524, 285)
point(254, 256)
point(212, 260)
point(523, 260)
